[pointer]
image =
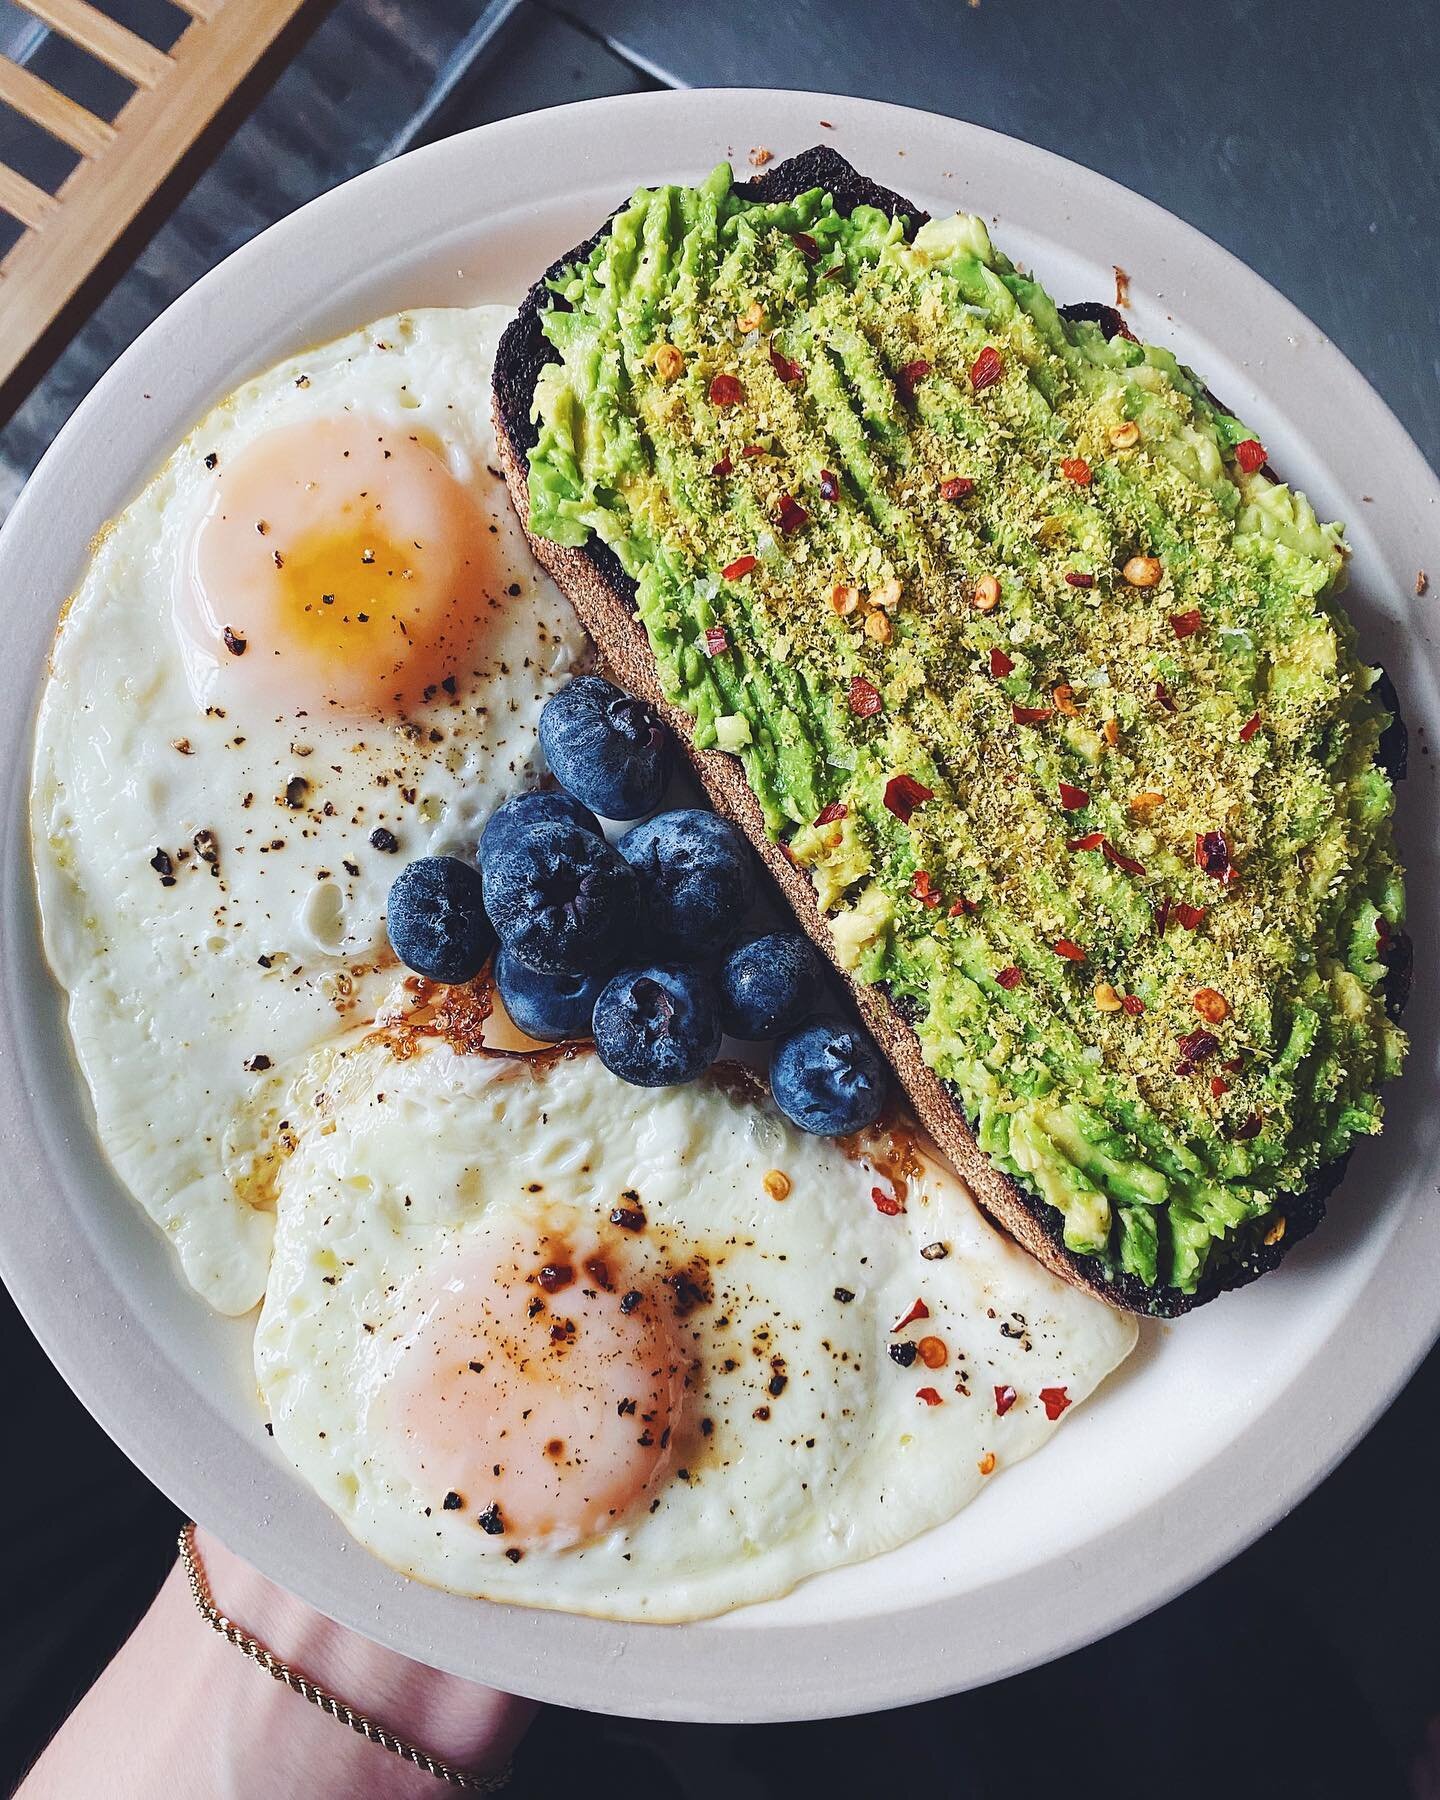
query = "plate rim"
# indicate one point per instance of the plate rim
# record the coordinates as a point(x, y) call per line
point(855, 1665)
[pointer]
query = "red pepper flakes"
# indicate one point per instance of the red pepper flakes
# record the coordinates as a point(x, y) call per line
point(716, 640)
point(1092, 840)
point(832, 814)
point(865, 699)
point(1073, 799)
point(741, 566)
point(1382, 933)
point(1195, 1047)
point(1001, 664)
point(1070, 951)
point(1249, 1127)
point(829, 485)
point(1133, 1005)
point(911, 374)
point(1010, 978)
point(806, 245)
point(962, 905)
point(1188, 916)
point(791, 515)
point(1078, 578)
point(1186, 624)
point(1126, 864)
point(920, 887)
point(1249, 728)
point(751, 450)
point(725, 390)
point(918, 1311)
point(1162, 916)
point(1234, 1065)
point(835, 270)
point(956, 487)
point(1005, 1398)
point(722, 468)
point(1162, 697)
point(1212, 855)
point(1031, 715)
point(1250, 455)
point(1076, 469)
point(903, 793)
point(928, 1395)
point(986, 369)
point(885, 1203)
point(1055, 1401)
point(1219, 1088)
point(789, 372)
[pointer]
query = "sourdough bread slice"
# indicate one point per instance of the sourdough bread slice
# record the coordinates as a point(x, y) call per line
point(603, 596)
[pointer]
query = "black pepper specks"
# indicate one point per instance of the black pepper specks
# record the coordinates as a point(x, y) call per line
point(630, 1301)
point(453, 1501)
point(233, 641)
point(382, 838)
point(257, 1065)
point(904, 1354)
point(935, 1252)
point(844, 1295)
point(490, 1521)
point(296, 788)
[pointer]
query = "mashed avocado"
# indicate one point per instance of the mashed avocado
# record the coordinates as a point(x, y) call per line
point(1031, 664)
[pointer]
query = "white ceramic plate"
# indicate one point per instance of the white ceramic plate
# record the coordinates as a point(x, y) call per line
point(1218, 1424)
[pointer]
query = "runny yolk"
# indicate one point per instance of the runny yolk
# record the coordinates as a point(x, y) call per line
point(543, 1417)
point(340, 564)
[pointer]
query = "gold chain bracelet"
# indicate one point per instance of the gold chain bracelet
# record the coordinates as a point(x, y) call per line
point(313, 1692)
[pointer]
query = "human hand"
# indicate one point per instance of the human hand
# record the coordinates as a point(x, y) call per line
point(182, 1712)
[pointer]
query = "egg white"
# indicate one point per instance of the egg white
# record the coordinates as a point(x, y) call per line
point(844, 1461)
point(189, 1001)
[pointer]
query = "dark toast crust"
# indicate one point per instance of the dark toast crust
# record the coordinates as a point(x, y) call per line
point(603, 597)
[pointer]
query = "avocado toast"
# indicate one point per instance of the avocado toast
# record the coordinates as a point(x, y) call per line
point(992, 629)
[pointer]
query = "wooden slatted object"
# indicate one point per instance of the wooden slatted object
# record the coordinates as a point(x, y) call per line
point(122, 162)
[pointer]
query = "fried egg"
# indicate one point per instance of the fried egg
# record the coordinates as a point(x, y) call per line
point(314, 647)
point(640, 1354)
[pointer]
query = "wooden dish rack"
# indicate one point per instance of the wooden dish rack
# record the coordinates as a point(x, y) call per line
point(123, 161)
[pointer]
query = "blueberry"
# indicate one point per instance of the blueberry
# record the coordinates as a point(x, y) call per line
point(769, 983)
point(436, 919)
point(827, 1077)
point(657, 1027)
point(552, 1007)
point(561, 899)
point(524, 810)
point(697, 877)
point(607, 747)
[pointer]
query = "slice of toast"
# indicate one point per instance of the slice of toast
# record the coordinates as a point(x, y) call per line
point(603, 596)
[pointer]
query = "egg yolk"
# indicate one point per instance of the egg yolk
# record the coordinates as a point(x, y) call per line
point(540, 1403)
point(340, 563)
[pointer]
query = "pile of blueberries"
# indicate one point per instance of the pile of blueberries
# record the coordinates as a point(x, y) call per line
point(638, 944)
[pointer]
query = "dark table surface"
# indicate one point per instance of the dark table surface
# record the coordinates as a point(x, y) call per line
point(1306, 138)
